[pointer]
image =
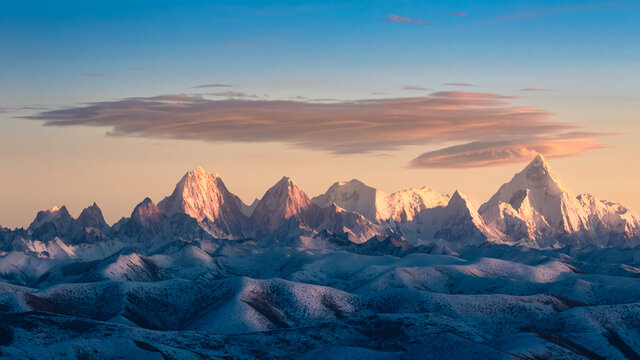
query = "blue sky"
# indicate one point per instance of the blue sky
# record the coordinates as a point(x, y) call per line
point(584, 55)
point(151, 47)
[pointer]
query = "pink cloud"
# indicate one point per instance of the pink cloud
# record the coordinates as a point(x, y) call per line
point(505, 152)
point(414, 87)
point(459, 14)
point(489, 128)
point(459, 84)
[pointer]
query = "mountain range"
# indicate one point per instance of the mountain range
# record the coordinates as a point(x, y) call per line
point(534, 209)
point(535, 272)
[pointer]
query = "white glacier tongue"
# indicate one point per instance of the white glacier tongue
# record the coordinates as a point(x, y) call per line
point(376, 205)
point(281, 202)
point(204, 197)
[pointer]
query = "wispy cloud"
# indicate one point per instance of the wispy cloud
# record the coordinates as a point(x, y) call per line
point(458, 84)
point(459, 14)
point(404, 19)
point(414, 87)
point(533, 13)
point(204, 86)
point(518, 149)
point(533, 89)
point(229, 93)
point(488, 129)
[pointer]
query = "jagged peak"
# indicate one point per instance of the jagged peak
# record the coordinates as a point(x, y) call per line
point(146, 206)
point(54, 214)
point(285, 181)
point(57, 209)
point(539, 159)
point(458, 196)
point(538, 170)
point(200, 172)
point(91, 216)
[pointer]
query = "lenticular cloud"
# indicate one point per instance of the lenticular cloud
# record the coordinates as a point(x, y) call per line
point(489, 130)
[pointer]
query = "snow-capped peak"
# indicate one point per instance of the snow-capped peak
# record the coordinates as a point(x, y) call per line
point(404, 205)
point(377, 206)
point(203, 196)
point(460, 203)
point(281, 202)
point(146, 212)
point(199, 194)
point(538, 206)
point(355, 196)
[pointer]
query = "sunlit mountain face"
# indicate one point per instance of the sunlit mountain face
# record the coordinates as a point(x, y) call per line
point(536, 272)
point(402, 179)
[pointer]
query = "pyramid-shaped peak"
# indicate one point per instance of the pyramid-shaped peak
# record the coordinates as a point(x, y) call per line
point(539, 169)
point(146, 213)
point(92, 217)
point(539, 159)
point(285, 183)
point(285, 180)
point(144, 208)
point(459, 198)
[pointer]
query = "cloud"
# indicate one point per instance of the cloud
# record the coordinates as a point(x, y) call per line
point(404, 19)
point(484, 125)
point(414, 87)
point(458, 84)
point(533, 13)
point(204, 86)
point(229, 93)
point(533, 89)
point(510, 151)
point(459, 14)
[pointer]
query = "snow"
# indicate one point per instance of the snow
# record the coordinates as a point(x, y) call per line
point(377, 206)
point(536, 209)
point(536, 272)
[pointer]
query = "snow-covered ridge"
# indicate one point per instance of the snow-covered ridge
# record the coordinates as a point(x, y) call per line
point(534, 209)
point(377, 206)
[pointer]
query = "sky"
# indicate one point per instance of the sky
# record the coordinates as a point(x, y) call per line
point(113, 101)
